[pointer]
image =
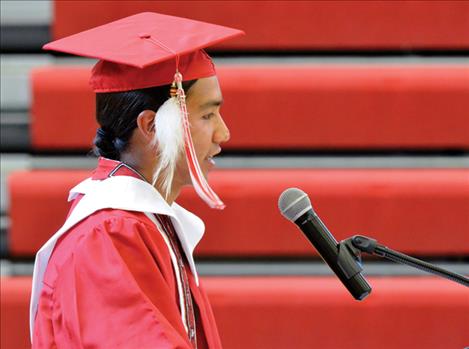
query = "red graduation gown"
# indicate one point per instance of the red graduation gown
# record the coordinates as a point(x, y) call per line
point(110, 283)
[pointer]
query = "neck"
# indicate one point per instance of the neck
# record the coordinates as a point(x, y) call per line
point(173, 194)
point(147, 171)
point(142, 170)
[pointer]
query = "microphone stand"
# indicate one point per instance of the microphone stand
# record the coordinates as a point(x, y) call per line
point(354, 246)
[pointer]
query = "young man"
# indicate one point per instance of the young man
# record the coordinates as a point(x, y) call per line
point(120, 272)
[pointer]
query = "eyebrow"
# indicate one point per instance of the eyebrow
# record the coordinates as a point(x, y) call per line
point(212, 103)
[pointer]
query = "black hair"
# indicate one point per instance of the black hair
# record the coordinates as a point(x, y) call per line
point(117, 112)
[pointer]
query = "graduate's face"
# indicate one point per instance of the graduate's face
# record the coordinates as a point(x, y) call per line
point(208, 129)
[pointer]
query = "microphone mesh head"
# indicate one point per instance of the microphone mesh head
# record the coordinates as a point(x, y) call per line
point(293, 203)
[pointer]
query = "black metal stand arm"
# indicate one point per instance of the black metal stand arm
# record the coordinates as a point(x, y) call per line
point(358, 243)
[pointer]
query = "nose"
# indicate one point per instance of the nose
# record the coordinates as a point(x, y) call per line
point(222, 133)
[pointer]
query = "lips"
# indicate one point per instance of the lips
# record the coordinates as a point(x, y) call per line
point(210, 157)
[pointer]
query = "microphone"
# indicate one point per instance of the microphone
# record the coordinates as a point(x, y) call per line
point(294, 205)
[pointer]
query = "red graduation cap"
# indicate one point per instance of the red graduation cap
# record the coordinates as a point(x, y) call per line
point(144, 50)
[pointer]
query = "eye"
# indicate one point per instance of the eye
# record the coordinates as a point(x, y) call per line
point(208, 116)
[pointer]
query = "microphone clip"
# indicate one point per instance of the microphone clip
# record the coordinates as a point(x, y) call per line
point(350, 253)
point(349, 258)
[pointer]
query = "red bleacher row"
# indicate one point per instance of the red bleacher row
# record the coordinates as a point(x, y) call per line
point(422, 212)
point(305, 312)
point(297, 25)
point(291, 107)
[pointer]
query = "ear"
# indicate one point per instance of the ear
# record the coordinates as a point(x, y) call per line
point(146, 124)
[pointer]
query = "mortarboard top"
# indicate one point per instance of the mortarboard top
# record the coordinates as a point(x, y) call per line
point(143, 50)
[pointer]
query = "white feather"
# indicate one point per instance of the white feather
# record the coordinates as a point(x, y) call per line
point(169, 139)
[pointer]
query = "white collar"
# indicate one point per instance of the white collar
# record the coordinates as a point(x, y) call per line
point(132, 194)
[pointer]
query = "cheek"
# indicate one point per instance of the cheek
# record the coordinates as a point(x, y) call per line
point(202, 138)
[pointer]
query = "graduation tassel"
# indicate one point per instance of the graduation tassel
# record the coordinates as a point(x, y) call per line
point(169, 148)
point(201, 186)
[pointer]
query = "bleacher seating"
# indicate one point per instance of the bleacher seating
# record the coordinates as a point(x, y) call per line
point(398, 104)
point(291, 107)
point(408, 210)
point(306, 312)
point(14, 307)
point(298, 25)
